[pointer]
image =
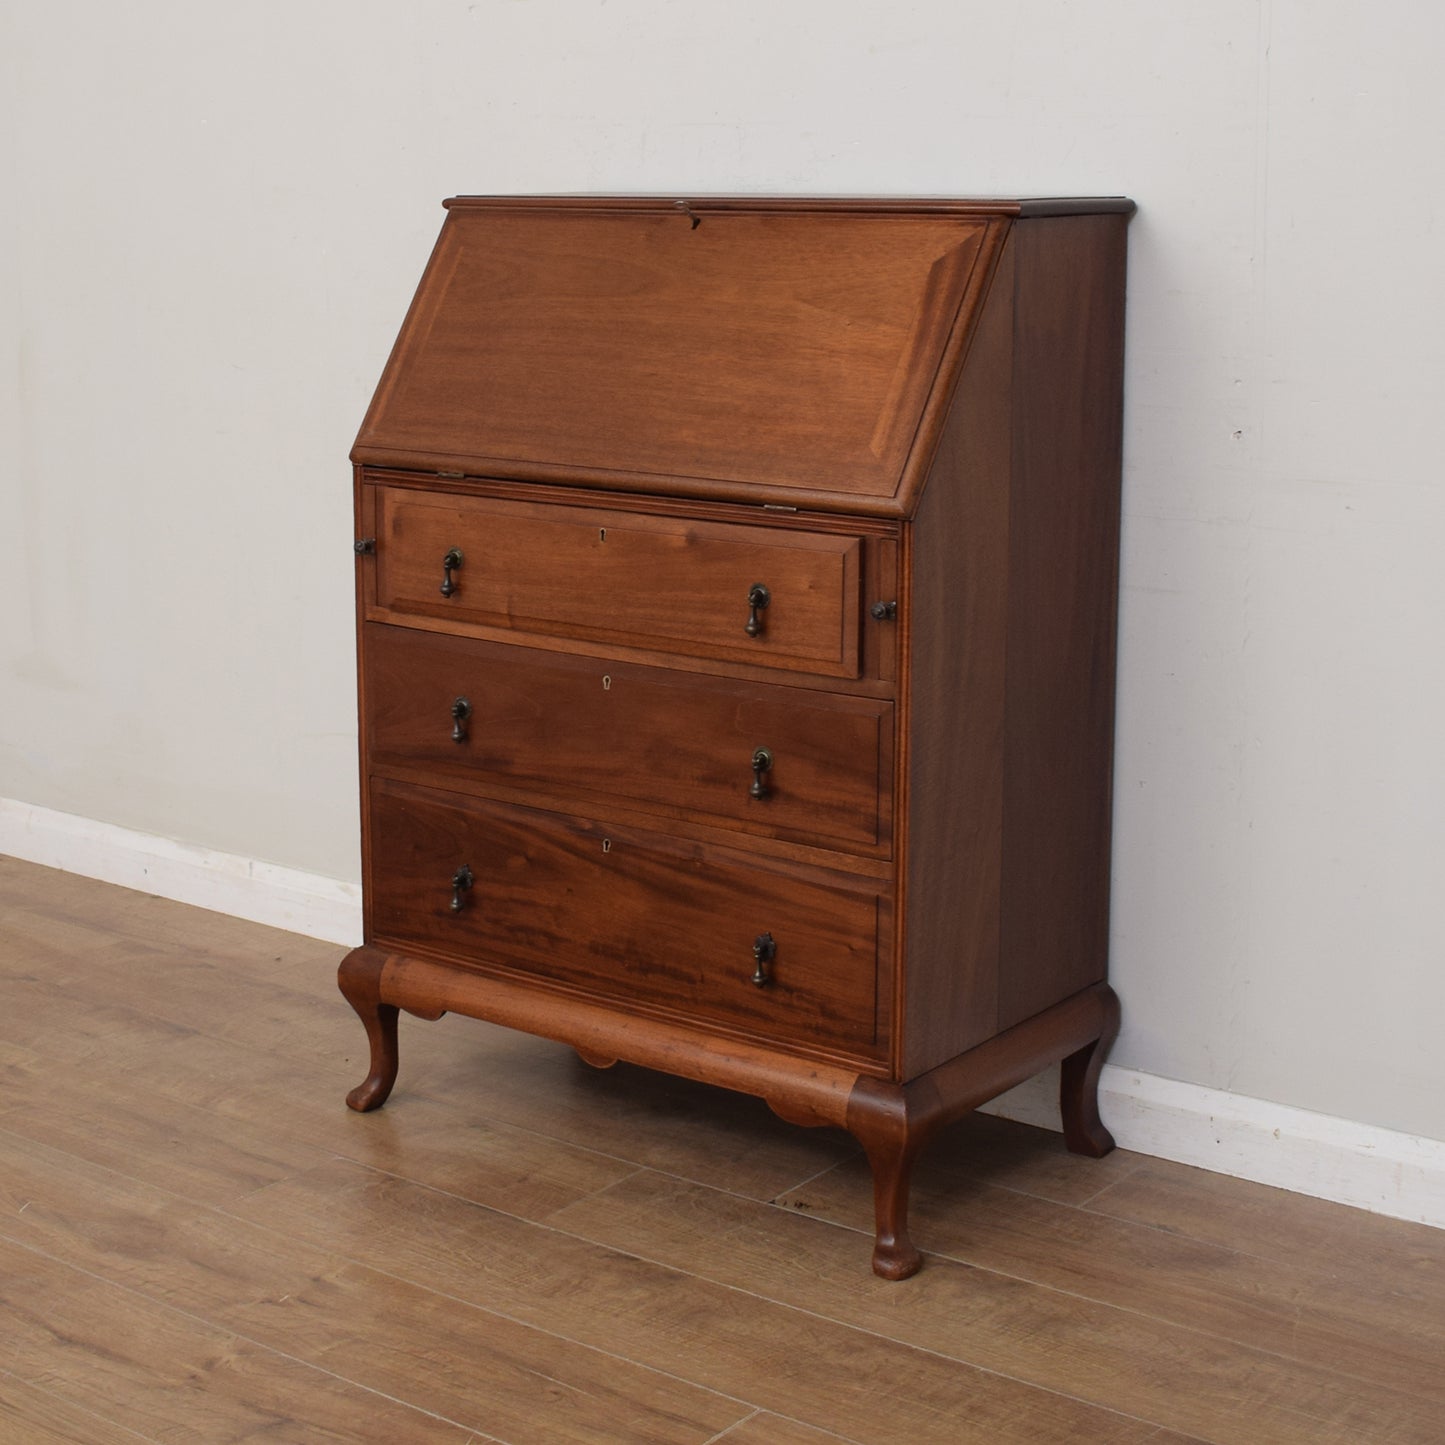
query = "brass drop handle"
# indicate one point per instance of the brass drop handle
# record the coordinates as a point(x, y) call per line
point(762, 763)
point(764, 951)
point(461, 711)
point(462, 880)
point(758, 599)
point(452, 562)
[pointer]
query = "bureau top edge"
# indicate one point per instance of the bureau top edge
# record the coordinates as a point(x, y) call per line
point(1021, 208)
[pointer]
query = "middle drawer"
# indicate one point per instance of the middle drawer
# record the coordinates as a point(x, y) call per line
point(784, 762)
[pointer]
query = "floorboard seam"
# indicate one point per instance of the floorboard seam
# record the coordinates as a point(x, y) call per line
point(51, 1394)
point(236, 1334)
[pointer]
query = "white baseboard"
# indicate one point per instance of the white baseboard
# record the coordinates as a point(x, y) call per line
point(223, 882)
point(1357, 1164)
point(1386, 1172)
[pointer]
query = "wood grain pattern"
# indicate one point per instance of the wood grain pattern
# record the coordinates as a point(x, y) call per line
point(33, 1416)
point(1404, 1262)
point(768, 1429)
point(598, 341)
point(955, 611)
point(958, 367)
point(145, 1365)
point(641, 919)
point(288, 1297)
point(840, 1379)
point(170, 1126)
point(1063, 575)
point(595, 730)
point(663, 584)
point(1046, 1336)
point(1384, 1348)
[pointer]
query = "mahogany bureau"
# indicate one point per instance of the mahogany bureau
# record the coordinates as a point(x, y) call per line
point(736, 597)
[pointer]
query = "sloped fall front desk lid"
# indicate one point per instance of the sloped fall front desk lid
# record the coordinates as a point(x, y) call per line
point(795, 352)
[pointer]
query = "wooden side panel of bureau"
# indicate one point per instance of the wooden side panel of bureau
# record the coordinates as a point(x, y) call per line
point(736, 600)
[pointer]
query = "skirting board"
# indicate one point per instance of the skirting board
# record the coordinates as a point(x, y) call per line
point(1386, 1172)
point(1357, 1164)
point(223, 882)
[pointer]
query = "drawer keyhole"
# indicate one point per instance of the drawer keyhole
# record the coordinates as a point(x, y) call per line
point(764, 952)
point(461, 711)
point(762, 763)
point(758, 599)
point(462, 881)
point(452, 562)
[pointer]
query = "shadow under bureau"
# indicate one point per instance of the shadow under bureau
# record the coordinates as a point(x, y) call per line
point(736, 598)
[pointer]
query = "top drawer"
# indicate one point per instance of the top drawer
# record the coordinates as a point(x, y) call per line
point(750, 594)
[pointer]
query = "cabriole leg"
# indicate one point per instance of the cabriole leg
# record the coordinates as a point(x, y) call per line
point(1084, 1131)
point(359, 979)
point(894, 1253)
point(879, 1118)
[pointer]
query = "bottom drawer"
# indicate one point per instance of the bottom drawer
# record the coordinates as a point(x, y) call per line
point(647, 921)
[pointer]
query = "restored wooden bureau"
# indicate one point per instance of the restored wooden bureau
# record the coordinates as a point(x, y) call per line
point(736, 596)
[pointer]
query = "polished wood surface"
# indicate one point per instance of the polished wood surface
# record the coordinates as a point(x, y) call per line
point(648, 921)
point(1064, 558)
point(659, 583)
point(591, 729)
point(951, 771)
point(691, 347)
point(198, 1243)
point(926, 898)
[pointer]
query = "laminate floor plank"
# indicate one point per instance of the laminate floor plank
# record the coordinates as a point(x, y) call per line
point(1341, 1324)
point(269, 1116)
point(840, 1379)
point(506, 1380)
point(984, 1149)
point(145, 1012)
point(208, 987)
point(712, 1135)
point(246, 1136)
point(765, 1429)
point(113, 1353)
point(30, 1416)
point(1401, 1260)
point(172, 1144)
point(198, 1241)
point(1196, 1383)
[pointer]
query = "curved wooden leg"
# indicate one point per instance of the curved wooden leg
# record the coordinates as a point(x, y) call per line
point(894, 1254)
point(1084, 1131)
point(891, 1134)
point(359, 979)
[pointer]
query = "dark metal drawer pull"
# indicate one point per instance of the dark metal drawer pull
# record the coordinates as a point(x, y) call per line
point(462, 880)
point(762, 763)
point(461, 711)
point(452, 562)
point(764, 951)
point(758, 599)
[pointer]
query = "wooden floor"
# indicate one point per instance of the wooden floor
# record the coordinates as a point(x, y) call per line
point(198, 1242)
